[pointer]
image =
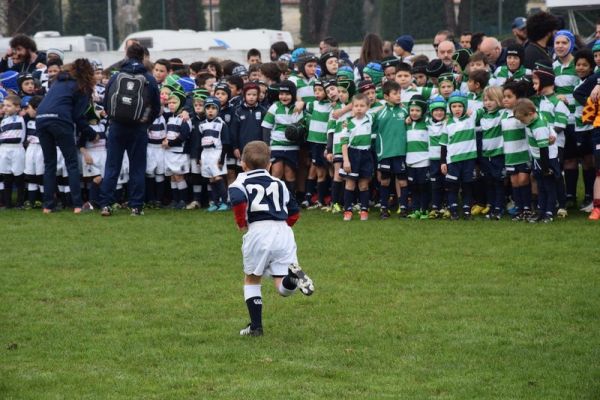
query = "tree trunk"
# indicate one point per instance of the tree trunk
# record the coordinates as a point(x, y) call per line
point(326, 21)
point(171, 10)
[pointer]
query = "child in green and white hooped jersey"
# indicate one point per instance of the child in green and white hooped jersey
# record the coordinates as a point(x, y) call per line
point(516, 150)
point(491, 162)
point(284, 153)
point(459, 152)
point(304, 77)
point(446, 85)
point(417, 157)
point(584, 67)
point(374, 72)
point(317, 118)
point(513, 69)
point(544, 154)
point(435, 125)
point(358, 160)
point(565, 81)
point(555, 112)
point(339, 97)
point(477, 82)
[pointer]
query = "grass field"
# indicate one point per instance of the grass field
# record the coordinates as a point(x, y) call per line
point(150, 307)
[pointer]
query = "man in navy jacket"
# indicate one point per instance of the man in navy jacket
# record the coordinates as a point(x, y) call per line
point(130, 137)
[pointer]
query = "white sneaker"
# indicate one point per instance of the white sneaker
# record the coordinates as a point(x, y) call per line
point(248, 331)
point(587, 207)
point(194, 205)
point(305, 284)
point(562, 213)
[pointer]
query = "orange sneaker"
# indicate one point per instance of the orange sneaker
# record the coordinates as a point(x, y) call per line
point(364, 215)
point(595, 214)
point(347, 215)
point(47, 211)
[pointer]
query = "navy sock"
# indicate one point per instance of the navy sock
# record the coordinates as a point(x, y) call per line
point(214, 193)
point(160, 191)
point(94, 194)
point(32, 195)
point(254, 305)
point(348, 199)
point(589, 176)
point(311, 186)
point(453, 197)
point(291, 186)
point(337, 192)
point(516, 196)
point(183, 194)
point(364, 200)
point(322, 191)
point(467, 196)
point(571, 177)
point(403, 197)
point(150, 190)
point(526, 197)
point(288, 283)
point(415, 189)
point(384, 196)
point(222, 190)
point(561, 192)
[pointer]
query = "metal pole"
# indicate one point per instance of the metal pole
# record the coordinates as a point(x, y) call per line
point(499, 17)
point(164, 16)
point(110, 25)
point(60, 16)
point(210, 16)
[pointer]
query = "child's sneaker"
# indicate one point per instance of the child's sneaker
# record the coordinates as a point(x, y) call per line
point(305, 284)
point(434, 214)
point(385, 214)
point(305, 204)
point(402, 213)
point(587, 207)
point(248, 331)
point(315, 206)
point(180, 205)
point(446, 214)
point(364, 215)
point(136, 212)
point(476, 209)
point(194, 205)
point(27, 205)
point(336, 208)
point(356, 207)
point(414, 215)
point(106, 211)
point(326, 208)
point(562, 213)
point(223, 207)
point(347, 215)
point(535, 218)
point(454, 216)
point(212, 207)
point(595, 214)
point(467, 216)
point(485, 210)
point(424, 215)
point(547, 218)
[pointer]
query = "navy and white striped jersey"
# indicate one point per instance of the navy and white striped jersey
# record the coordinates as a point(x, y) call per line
point(12, 129)
point(267, 198)
point(178, 132)
point(100, 130)
point(157, 132)
point(31, 132)
point(213, 134)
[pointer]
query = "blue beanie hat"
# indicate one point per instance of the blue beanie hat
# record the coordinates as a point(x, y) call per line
point(212, 101)
point(569, 35)
point(8, 79)
point(406, 42)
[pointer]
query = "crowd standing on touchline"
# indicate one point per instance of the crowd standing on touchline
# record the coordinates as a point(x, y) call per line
point(488, 129)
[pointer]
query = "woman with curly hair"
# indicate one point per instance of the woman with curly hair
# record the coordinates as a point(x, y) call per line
point(62, 109)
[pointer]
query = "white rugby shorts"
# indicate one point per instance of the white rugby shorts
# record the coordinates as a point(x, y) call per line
point(34, 159)
point(268, 248)
point(12, 159)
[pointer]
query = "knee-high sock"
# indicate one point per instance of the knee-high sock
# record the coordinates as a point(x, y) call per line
point(571, 177)
point(182, 189)
point(150, 190)
point(311, 186)
point(95, 194)
point(337, 192)
point(561, 192)
point(364, 200)
point(589, 176)
point(384, 196)
point(526, 197)
point(291, 186)
point(452, 196)
point(322, 191)
point(467, 196)
point(403, 200)
point(8, 187)
point(348, 199)
point(160, 188)
point(253, 297)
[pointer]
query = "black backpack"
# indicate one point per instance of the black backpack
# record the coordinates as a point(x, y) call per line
point(129, 99)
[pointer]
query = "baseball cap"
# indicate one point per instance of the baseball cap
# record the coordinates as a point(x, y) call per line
point(519, 23)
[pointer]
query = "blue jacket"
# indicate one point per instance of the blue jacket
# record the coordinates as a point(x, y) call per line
point(64, 103)
point(132, 66)
point(246, 125)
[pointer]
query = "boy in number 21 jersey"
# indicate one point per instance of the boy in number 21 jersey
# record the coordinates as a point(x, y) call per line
point(263, 205)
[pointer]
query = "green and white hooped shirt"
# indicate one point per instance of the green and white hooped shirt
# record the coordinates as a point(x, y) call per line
point(565, 82)
point(538, 136)
point(514, 137)
point(317, 114)
point(417, 144)
point(278, 117)
point(459, 138)
point(357, 132)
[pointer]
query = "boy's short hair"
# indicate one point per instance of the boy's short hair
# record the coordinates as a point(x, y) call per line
point(390, 86)
point(253, 68)
point(256, 155)
point(524, 107)
point(478, 56)
point(35, 101)
point(135, 51)
point(13, 99)
point(236, 81)
point(519, 88)
point(197, 66)
point(165, 62)
point(253, 53)
point(402, 66)
point(57, 61)
point(202, 77)
point(360, 97)
point(480, 76)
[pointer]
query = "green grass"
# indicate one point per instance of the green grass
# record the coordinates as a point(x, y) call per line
point(122, 307)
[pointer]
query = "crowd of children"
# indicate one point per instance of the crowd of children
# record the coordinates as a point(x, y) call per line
point(414, 136)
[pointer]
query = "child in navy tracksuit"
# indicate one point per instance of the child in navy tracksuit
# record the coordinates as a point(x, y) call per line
point(247, 119)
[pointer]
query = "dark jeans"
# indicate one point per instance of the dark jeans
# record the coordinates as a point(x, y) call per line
point(134, 140)
point(61, 135)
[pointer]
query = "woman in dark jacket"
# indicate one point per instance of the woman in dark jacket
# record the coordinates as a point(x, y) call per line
point(59, 116)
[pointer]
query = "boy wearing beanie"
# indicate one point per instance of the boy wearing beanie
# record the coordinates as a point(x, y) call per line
point(403, 47)
point(514, 67)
